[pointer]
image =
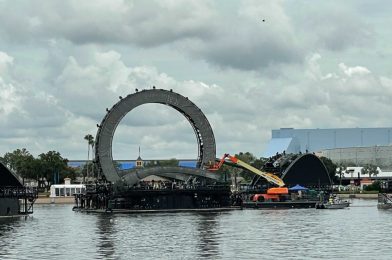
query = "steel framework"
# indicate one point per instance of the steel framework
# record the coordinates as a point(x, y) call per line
point(202, 128)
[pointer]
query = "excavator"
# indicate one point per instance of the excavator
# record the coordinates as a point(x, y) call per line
point(272, 193)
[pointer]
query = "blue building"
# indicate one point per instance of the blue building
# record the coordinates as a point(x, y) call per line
point(130, 164)
point(315, 140)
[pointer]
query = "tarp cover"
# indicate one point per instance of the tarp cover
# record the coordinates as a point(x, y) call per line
point(298, 188)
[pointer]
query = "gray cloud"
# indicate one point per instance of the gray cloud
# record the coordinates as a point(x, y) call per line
point(323, 25)
point(128, 22)
point(233, 38)
point(258, 35)
point(238, 40)
point(63, 64)
point(241, 114)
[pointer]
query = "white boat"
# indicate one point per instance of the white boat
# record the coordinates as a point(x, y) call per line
point(334, 203)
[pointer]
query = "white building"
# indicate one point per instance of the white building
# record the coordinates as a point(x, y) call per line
point(66, 190)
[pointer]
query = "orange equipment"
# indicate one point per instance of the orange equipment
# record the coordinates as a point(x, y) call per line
point(278, 191)
point(268, 176)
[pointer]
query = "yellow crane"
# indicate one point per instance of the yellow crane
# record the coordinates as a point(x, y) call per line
point(272, 178)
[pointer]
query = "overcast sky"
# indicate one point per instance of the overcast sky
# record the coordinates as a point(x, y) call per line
point(309, 64)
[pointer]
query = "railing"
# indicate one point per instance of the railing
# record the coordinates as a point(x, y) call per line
point(384, 198)
point(176, 186)
point(18, 192)
point(25, 196)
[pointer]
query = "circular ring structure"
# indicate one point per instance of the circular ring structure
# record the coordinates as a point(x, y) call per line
point(201, 126)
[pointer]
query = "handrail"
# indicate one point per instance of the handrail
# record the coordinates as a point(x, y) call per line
point(385, 198)
point(18, 192)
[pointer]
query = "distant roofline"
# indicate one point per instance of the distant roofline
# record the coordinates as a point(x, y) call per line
point(133, 160)
point(356, 147)
point(290, 128)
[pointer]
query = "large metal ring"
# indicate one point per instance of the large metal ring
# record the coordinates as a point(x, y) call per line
point(201, 126)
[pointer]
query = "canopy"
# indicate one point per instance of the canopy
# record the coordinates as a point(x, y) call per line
point(298, 188)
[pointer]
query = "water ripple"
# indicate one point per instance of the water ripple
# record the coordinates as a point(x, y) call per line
point(56, 232)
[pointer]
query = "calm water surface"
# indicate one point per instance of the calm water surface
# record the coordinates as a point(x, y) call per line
point(56, 232)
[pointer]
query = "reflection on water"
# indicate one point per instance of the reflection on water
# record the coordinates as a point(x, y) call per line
point(56, 232)
point(206, 226)
point(105, 232)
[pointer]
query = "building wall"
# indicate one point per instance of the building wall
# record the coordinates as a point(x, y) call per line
point(315, 140)
point(359, 156)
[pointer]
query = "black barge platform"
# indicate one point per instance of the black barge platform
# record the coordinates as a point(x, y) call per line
point(279, 204)
point(101, 198)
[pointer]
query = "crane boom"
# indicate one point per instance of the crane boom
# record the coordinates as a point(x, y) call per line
point(268, 176)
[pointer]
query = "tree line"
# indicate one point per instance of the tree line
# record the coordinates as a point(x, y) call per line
point(48, 168)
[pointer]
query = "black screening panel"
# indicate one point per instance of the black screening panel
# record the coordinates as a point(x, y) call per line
point(307, 170)
point(7, 178)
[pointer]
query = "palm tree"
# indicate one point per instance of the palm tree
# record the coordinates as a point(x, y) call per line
point(92, 157)
point(90, 142)
point(340, 169)
point(370, 169)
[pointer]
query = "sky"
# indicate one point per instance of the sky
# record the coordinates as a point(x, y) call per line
point(250, 66)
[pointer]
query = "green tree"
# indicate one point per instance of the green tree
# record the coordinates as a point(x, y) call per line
point(171, 162)
point(375, 186)
point(20, 162)
point(225, 173)
point(248, 158)
point(340, 169)
point(331, 168)
point(53, 163)
point(231, 170)
point(90, 143)
point(369, 169)
point(41, 169)
point(93, 171)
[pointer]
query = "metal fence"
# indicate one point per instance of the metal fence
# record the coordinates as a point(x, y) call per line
point(18, 192)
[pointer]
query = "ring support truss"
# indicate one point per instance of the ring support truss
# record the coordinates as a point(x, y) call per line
point(202, 128)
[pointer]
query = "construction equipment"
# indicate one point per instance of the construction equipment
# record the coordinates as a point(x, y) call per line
point(273, 194)
point(268, 176)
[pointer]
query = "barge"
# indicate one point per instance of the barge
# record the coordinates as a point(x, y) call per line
point(280, 204)
point(283, 198)
point(103, 198)
point(15, 199)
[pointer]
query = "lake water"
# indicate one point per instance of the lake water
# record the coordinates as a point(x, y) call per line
point(56, 232)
